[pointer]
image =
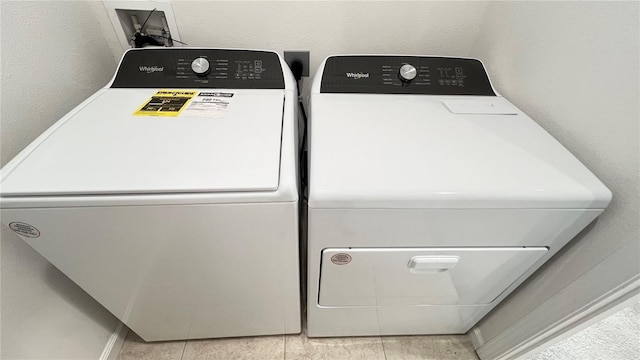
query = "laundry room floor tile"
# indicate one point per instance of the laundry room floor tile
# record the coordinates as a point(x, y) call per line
point(300, 347)
point(247, 348)
point(134, 348)
point(446, 347)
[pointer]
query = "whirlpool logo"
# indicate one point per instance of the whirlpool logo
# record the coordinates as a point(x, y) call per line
point(151, 69)
point(358, 75)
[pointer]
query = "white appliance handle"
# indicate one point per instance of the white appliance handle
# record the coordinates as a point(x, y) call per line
point(432, 264)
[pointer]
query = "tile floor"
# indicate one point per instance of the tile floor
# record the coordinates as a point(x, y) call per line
point(299, 347)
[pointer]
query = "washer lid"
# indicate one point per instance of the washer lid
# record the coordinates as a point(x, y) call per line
point(102, 148)
point(416, 151)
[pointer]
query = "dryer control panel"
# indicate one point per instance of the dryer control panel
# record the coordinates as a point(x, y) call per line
point(199, 68)
point(426, 75)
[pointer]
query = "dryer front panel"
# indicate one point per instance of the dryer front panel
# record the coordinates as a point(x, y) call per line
point(421, 276)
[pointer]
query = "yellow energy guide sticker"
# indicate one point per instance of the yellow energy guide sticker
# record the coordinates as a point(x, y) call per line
point(166, 103)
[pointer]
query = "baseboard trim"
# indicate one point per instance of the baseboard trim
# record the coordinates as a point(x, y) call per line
point(476, 337)
point(116, 340)
point(566, 326)
point(609, 304)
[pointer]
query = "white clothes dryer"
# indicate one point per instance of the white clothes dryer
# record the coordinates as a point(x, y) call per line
point(171, 194)
point(431, 197)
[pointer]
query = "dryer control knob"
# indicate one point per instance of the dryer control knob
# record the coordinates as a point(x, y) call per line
point(407, 72)
point(200, 66)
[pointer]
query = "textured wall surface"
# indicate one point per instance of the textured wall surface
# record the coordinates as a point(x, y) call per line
point(53, 56)
point(573, 67)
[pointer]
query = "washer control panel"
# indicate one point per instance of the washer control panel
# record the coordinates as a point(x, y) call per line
point(426, 75)
point(199, 68)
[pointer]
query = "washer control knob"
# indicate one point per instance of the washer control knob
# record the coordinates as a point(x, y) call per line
point(200, 66)
point(407, 73)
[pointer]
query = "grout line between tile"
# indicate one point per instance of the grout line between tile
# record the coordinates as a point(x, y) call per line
point(284, 356)
point(384, 352)
point(183, 348)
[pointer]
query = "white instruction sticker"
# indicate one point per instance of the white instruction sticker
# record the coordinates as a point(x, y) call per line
point(209, 104)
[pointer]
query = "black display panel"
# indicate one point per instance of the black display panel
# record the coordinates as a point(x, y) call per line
point(380, 74)
point(171, 68)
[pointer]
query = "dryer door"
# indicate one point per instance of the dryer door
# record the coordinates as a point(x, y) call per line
point(421, 276)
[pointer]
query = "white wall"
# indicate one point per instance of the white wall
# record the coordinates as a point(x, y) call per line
point(332, 27)
point(53, 56)
point(573, 67)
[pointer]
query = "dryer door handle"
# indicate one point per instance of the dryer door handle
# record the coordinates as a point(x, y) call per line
point(432, 264)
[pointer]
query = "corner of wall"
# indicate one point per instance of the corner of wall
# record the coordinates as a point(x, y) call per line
point(44, 314)
point(554, 73)
point(110, 36)
point(115, 343)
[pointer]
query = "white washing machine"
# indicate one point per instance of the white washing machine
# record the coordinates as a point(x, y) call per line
point(171, 195)
point(431, 197)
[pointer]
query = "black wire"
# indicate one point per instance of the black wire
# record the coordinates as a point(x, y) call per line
point(162, 36)
point(303, 158)
point(174, 40)
point(145, 22)
point(304, 122)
